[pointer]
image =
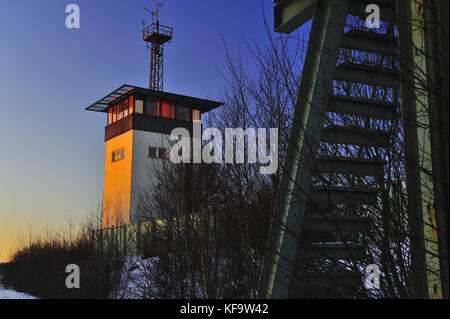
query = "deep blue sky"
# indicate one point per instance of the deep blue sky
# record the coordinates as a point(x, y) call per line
point(52, 150)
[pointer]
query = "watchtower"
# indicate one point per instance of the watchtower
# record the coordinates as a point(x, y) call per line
point(139, 123)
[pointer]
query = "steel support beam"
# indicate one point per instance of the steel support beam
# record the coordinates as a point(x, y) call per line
point(419, 84)
point(311, 105)
point(437, 70)
point(291, 14)
point(415, 215)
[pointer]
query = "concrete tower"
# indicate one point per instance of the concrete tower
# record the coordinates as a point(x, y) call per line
point(139, 124)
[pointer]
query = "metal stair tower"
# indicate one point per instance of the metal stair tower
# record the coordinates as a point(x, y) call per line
point(317, 238)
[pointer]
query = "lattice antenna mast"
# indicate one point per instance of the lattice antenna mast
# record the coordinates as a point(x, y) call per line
point(157, 34)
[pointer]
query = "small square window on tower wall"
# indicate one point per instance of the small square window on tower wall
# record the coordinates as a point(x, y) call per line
point(158, 152)
point(139, 106)
point(118, 155)
point(167, 110)
point(163, 153)
point(153, 152)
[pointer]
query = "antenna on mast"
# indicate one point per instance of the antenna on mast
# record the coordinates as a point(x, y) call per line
point(153, 13)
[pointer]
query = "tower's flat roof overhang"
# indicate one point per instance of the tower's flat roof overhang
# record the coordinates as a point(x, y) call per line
point(125, 90)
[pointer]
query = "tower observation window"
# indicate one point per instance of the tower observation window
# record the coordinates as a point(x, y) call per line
point(183, 113)
point(139, 106)
point(168, 110)
point(151, 107)
point(125, 107)
point(110, 120)
point(120, 111)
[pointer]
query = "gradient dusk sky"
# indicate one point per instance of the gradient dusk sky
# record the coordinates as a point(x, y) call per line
point(52, 150)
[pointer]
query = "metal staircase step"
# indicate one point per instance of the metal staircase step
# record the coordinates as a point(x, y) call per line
point(336, 195)
point(370, 42)
point(333, 251)
point(362, 107)
point(387, 9)
point(355, 136)
point(371, 75)
point(381, 3)
point(349, 165)
point(323, 223)
point(307, 281)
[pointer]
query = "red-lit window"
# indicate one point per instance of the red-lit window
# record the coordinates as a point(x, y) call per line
point(114, 113)
point(195, 115)
point(131, 105)
point(109, 115)
point(168, 110)
point(120, 111)
point(125, 107)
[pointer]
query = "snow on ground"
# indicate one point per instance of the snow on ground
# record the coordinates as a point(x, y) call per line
point(136, 279)
point(11, 294)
